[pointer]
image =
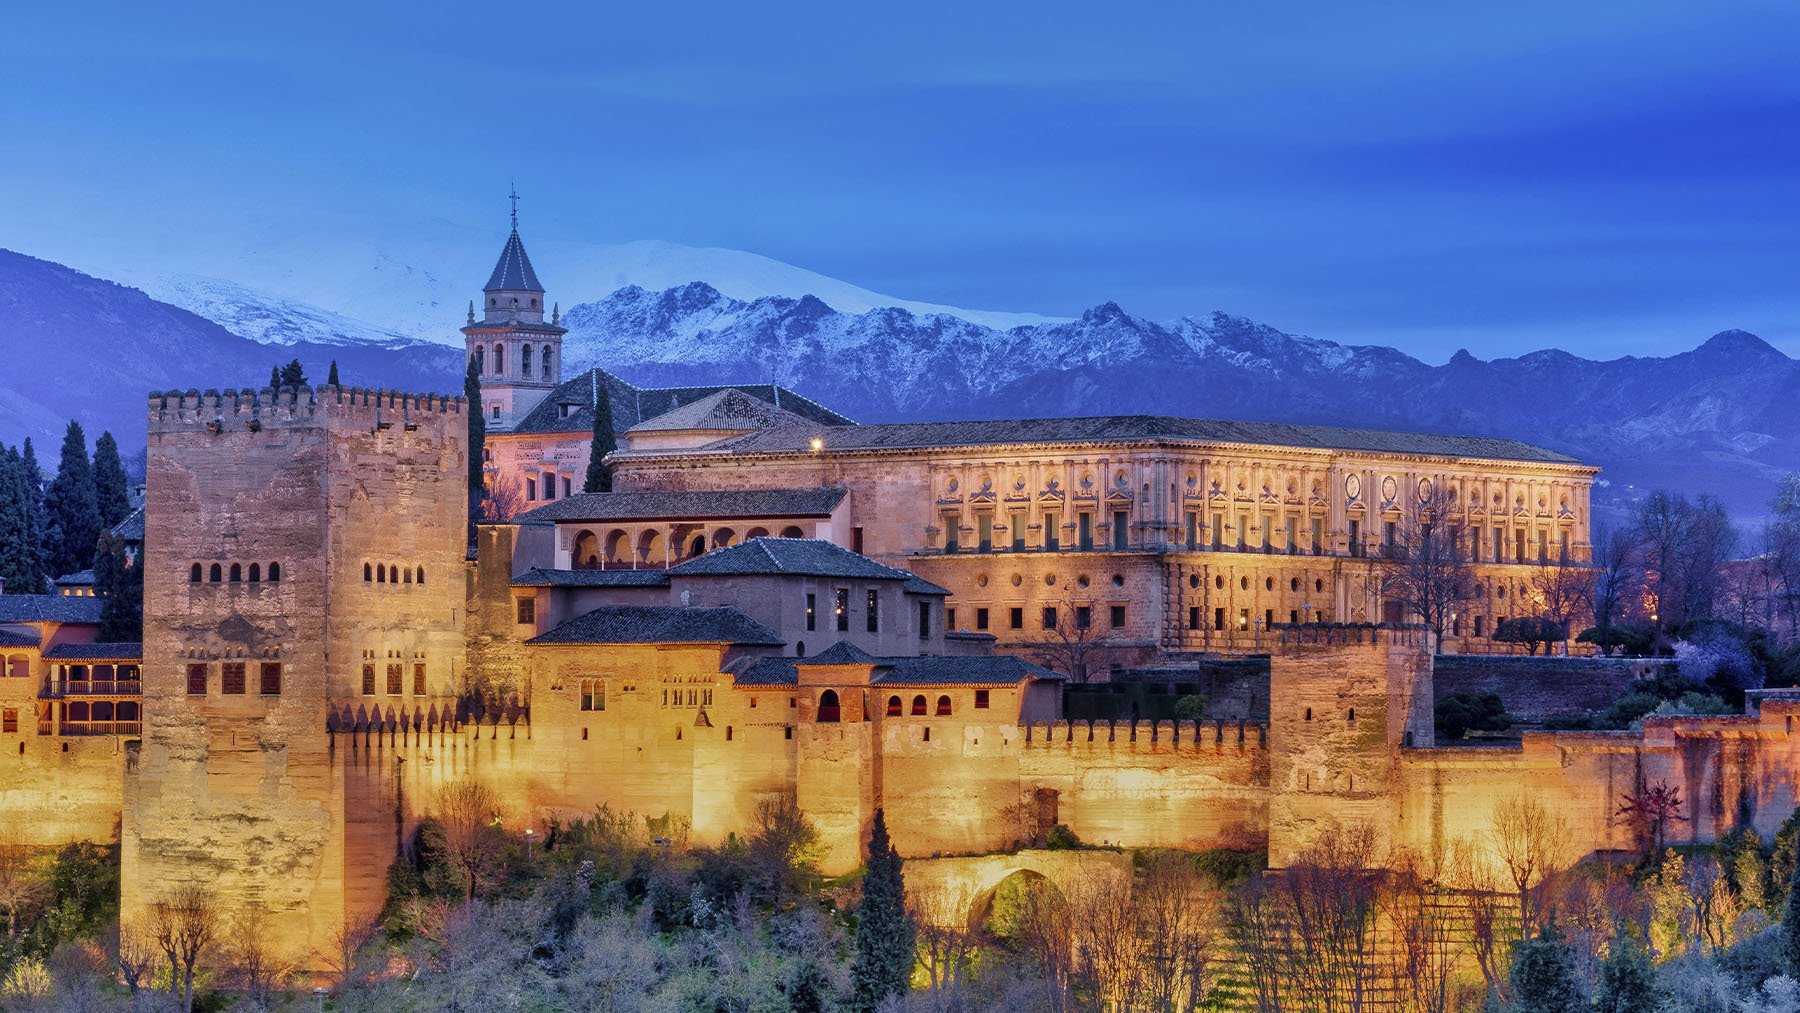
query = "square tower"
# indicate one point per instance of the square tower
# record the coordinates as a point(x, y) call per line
point(304, 558)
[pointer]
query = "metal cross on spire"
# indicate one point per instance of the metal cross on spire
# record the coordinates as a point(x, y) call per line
point(513, 194)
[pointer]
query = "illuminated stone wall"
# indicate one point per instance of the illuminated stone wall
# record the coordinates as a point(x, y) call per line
point(54, 790)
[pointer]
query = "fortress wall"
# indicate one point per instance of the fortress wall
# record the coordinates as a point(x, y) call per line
point(51, 796)
point(1162, 784)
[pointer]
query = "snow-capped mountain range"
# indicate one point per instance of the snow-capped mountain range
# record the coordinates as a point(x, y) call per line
point(1718, 419)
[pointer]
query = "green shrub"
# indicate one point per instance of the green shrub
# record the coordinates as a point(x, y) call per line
point(1061, 838)
point(1457, 714)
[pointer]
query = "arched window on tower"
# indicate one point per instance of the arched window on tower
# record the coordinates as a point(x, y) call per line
point(255, 573)
point(216, 574)
point(918, 707)
point(828, 707)
point(525, 362)
point(546, 362)
point(275, 572)
point(368, 573)
point(194, 574)
point(943, 707)
point(480, 360)
point(499, 359)
point(893, 707)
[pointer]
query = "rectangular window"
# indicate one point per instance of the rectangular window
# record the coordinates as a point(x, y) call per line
point(981, 699)
point(530, 480)
point(1480, 625)
point(1193, 617)
point(856, 543)
point(1293, 544)
point(1084, 531)
point(1519, 545)
point(952, 532)
point(9, 720)
point(1356, 545)
point(949, 619)
point(418, 678)
point(812, 611)
point(1243, 532)
point(1052, 531)
point(1017, 618)
point(1116, 617)
point(368, 680)
point(841, 608)
point(1294, 615)
point(1499, 544)
point(549, 485)
point(394, 678)
point(981, 619)
point(1050, 617)
point(984, 532)
point(1318, 537)
point(271, 678)
point(1563, 546)
point(1121, 525)
point(196, 680)
point(1084, 617)
point(1268, 618)
point(525, 609)
point(1218, 532)
point(924, 620)
point(593, 695)
point(1218, 619)
point(1243, 619)
point(1268, 534)
point(566, 485)
point(231, 678)
point(1543, 546)
point(1017, 526)
point(1388, 541)
point(1192, 530)
point(873, 609)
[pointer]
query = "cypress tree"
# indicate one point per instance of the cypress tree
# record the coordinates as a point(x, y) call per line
point(37, 523)
point(332, 378)
point(477, 434)
point(73, 508)
point(599, 474)
point(1790, 925)
point(293, 374)
point(21, 556)
point(111, 488)
point(275, 377)
point(885, 934)
point(122, 586)
point(1543, 975)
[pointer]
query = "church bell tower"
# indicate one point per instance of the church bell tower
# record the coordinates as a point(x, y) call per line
point(517, 355)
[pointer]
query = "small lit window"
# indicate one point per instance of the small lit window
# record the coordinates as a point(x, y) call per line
point(981, 699)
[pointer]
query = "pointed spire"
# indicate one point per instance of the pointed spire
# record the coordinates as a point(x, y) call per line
point(555, 313)
point(513, 193)
point(471, 311)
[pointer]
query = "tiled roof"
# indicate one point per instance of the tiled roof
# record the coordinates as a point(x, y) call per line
point(1129, 428)
point(768, 672)
point(808, 557)
point(11, 639)
point(96, 652)
point(713, 504)
point(48, 608)
point(842, 653)
point(131, 528)
point(80, 578)
point(537, 576)
point(729, 409)
point(970, 635)
point(632, 404)
point(997, 670)
point(513, 273)
point(916, 584)
point(660, 624)
point(950, 670)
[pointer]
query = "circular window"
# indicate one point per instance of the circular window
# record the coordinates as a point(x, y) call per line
point(1499, 592)
point(981, 580)
point(1118, 580)
point(1318, 585)
point(1082, 580)
point(1049, 580)
point(1352, 487)
point(1194, 580)
point(1219, 582)
point(1294, 585)
point(1017, 580)
point(952, 485)
point(1268, 583)
point(1244, 583)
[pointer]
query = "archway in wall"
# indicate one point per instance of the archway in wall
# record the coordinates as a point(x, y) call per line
point(650, 549)
point(698, 546)
point(792, 531)
point(586, 555)
point(1008, 911)
point(618, 549)
point(757, 533)
point(723, 538)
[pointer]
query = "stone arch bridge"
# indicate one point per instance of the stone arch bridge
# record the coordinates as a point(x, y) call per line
point(953, 892)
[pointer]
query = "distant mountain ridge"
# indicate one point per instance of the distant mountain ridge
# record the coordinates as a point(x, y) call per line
point(1717, 419)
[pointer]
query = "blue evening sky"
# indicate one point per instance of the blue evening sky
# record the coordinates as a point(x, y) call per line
point(1609, 177)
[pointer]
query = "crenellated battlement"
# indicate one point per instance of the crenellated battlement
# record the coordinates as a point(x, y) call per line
point(1294, 637)
point(1151, 735)
point(296, 406)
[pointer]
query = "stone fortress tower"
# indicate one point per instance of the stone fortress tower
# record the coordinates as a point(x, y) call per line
point(517, 354)
point(303, 560)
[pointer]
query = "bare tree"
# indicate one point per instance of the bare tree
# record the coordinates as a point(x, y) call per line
point(350, 961)
point(947, 946)
point(1073, 643)
point(468, 814)
point(135, 956)
point(501, 501)
point(1177, 911)
point(184, 925)
point(1308, 932)
point(22, 885)
point(255, 966)
point(1428, 944)
point(1562, 591)
point(1424, 570)
point(1685, 546)
point(1617, 581)
point(1531, 842)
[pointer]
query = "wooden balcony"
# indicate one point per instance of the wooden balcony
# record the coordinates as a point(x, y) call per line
point(56, 689)
point(91, 728)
